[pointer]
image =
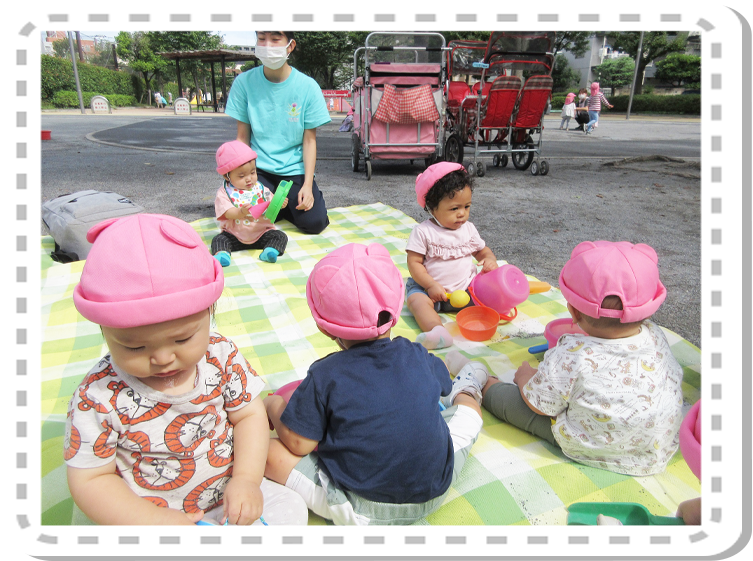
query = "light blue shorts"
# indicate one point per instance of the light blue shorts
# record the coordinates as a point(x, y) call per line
point(311, 480)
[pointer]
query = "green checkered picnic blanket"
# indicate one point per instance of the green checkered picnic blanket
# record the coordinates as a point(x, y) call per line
point(510, 476)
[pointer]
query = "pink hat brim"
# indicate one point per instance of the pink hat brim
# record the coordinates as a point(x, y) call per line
point(156, 309)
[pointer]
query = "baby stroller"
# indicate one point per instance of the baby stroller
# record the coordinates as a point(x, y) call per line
point(515, 87)
point(398, 100)
point(460, 95)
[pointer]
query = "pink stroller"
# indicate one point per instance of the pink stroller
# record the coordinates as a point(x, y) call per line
point(398, 101)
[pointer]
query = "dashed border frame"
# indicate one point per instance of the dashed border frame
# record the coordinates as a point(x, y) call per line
point(726, 324)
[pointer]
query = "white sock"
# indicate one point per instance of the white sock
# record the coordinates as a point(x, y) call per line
point(437, 338)
point(455, 361)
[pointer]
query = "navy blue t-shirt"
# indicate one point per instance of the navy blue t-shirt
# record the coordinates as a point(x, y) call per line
point(374, 409)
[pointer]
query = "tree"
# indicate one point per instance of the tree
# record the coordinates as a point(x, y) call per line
point(62, 48)
point(173, 41)
point(326, 56)
point(680, 69)
point(564, 76)
point(656, 44)
point(574, 42)
point(615, 72)
point(138, 50)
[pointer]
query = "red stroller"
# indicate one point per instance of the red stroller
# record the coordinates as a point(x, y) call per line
point(508, 115)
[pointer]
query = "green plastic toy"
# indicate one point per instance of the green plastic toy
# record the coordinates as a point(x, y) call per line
point(630, 514)
point(276, 205)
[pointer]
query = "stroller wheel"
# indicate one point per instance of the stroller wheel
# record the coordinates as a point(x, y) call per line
point(453, 149)
point(368, 170)
point(543, 167)
point(495, 160)
point(471, 169)
point(354, 150)
point(480, 169)
point(534, 168)
point(521, 160)
point(503, 161)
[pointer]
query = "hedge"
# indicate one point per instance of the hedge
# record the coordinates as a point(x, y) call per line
point(57, 75)
point(70, 99)
point(648, 103)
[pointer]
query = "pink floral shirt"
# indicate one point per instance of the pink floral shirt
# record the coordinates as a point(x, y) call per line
point(448, 254)
point(249, 229)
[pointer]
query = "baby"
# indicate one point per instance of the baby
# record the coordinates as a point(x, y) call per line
point(611, 399)
point(168, 427)
point(386, 453)
point(236, 163)
point(441, 249)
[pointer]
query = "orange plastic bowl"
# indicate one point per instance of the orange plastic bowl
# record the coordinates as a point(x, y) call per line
point(477, 323)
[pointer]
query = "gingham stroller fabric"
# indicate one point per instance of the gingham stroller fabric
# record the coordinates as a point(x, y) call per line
point(500, 101)
point(407, 106)
point(532, 101)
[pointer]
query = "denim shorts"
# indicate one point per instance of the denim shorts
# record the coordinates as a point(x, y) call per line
point(412, 287)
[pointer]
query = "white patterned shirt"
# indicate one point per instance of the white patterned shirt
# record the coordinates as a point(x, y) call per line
point(617, 402)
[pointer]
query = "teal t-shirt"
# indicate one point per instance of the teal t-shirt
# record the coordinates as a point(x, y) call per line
point(278, 115)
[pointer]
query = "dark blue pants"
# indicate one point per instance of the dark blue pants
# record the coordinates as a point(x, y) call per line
point(311, 221)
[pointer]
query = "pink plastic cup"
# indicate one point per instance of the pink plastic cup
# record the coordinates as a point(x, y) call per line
point(501, 289)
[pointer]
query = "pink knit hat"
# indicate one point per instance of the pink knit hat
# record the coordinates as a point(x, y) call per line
point(569, 98)
point(348, 288)
point(427, 179)
point(145, 269)
point(600, 269)
point(595, 88)
point(232, 155)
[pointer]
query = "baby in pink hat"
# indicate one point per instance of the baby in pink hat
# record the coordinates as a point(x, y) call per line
point(611, 399)
point(243, 227)
point(386, 453)
point(168, 427)
point(442, 249)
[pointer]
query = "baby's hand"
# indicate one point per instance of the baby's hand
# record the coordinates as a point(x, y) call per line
point(524, 374)
point(284, 203)
point(244, 501)
point(488, 264)
point(437, 293)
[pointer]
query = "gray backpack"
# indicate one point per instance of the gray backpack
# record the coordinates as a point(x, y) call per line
point(69, 218)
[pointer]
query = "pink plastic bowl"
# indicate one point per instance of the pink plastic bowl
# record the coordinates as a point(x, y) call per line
point(690, 439)
point(558, 327)
point(287, 390)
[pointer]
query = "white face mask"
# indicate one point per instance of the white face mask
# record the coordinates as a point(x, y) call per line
point(273, 57)
point(582, 96)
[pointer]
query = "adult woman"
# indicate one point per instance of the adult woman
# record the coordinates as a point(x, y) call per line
point(581, 109)
point(277, 110)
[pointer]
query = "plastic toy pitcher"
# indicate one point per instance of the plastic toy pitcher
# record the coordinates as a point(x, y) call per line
point(270, 209)
point(501, 289)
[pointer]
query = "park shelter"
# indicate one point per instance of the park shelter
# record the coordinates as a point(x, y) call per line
point(210, 57)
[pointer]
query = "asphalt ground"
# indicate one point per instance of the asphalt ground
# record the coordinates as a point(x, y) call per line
point(636, 180)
